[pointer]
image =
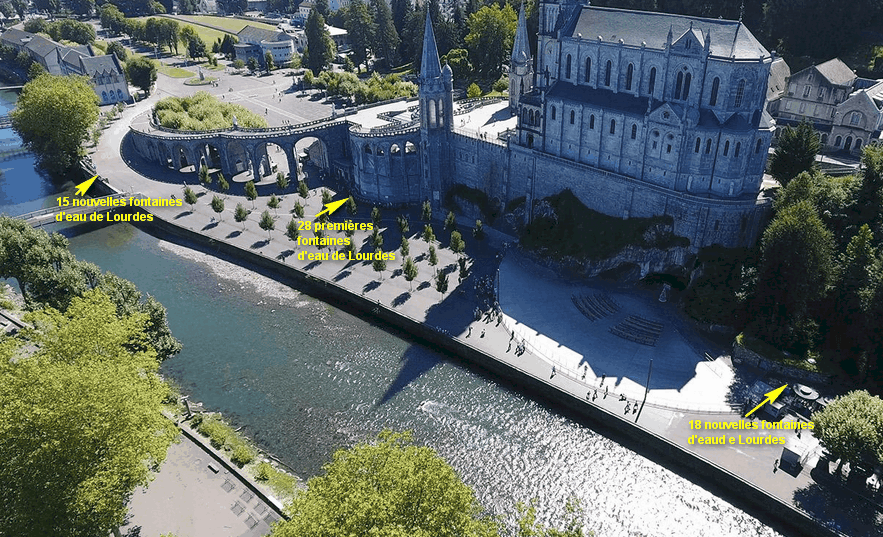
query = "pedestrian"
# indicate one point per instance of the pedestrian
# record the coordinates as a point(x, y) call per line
point(470, 332)
point(603, 378)
point(776, 466)
point(635, 409)
point(622, 397)
point(512, 336)
point(628, 408)
point(509, 348)
point(553, 372)
point(482, 333)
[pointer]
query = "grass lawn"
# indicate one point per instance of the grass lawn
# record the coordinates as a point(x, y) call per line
point(207, 34)
point(174, 72)
point(227, 23)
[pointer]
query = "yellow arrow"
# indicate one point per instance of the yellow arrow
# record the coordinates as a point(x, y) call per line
point(84, 186)
point(770, 397)
point(331, 207)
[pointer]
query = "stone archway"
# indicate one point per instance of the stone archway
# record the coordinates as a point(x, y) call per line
point(165, 156)
point(271, 159)
point(239, 161)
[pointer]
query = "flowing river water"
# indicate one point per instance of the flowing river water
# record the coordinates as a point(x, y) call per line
point(304, 378)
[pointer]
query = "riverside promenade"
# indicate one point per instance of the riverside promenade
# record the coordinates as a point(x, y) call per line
point(561, 343)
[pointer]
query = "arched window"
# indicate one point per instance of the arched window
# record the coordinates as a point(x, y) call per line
point(678, 85)
point(736, 150)
point(824, 138)
point(120, 94)
point(432, 114)
point(698, 145)
point(612, 126)
point(607, 70)
point(757, 146)
point(651, 84)
point(687, 80)
point(572, 116)
point(715, 87)
point(104, 96)
point(592, 122)
point(441, 113)
point(567, 67)
point(838, 141)
point(858, 143)
point(634, 131)
point(553, 112)
point(367, 149)
point(589, 69)
point(629, 74)
point(708, 146)
point(726, 147)
point(740, 93)
point(527, 117)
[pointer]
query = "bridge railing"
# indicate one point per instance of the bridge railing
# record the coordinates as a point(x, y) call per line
point(52, 210)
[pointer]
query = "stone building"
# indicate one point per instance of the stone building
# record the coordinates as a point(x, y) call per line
point(257, 42)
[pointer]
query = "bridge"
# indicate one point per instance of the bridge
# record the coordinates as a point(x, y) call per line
point(99, 205)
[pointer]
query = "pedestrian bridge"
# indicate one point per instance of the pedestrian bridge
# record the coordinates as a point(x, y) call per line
point(99, 205)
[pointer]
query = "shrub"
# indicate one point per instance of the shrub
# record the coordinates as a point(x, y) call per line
point(501, 85)
point(217, 432)
point(263, 472)
point(473, 91)
point(242, 455)
point(202, 111)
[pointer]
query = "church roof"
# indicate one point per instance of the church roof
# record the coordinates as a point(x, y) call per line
point(430, 67)
point(728, 38)
point(521, 48)
point(622, 102)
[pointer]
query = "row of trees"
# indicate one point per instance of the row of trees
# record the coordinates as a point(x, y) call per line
point(62, 30)
point(158, 31)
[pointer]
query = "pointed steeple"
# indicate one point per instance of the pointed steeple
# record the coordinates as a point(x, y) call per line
point(521, 48)
point(430, 67)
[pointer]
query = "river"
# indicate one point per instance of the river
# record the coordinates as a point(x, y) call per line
point(304, 378)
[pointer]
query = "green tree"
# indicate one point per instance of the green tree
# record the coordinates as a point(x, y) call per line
point(298, 209)
point(240, 215)
point(458, 245)
point(433, 257)
point(252, 64)
point(441, 282)
point(204, 176)
point(35, 70)
point(406, 247)
point(428, 234)
point(376, 238)
point(851, 427)
point(490, 38)
point(190, 197)
point(267, 224)
point(218, 206)
point(81, 421)
point(404, 226)
point(117, 49)
point(251, 193)
point(360, 29)
point(273, 203)
point(795, 271)
point(269, 64)
point(426, 212)
point(410, 270)
point(379, 264)
point(795, 153)
point(450, 221)
point(390, 486)
point(473, 91)
point(302, 189)
point(573, 525)
point(141, 73)
point(386, 36)
point(320, 47)
point(238, 64)
point(461, 67)
point(292, 230)
point(53, 117)
point(282, 181)
point(112, 19)
point(478, 230)
point(223, 184)
point(869, 199)
point(375, 216)
point(351, 206)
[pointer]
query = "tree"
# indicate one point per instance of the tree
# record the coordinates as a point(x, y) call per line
point(117, 49)
point(851, 427)
point(441, 282)
point(141, 73)
point(433, 257)
point(450, 221)
point(223, 184)
point(490, 38)
point(376, 238)
point(320, 47)
point(426, 212)
point(795, 153)
point(273, 203)
point(375, 215)
point(400, 10)
point(404, 226)
point(359, 25)
point(292, 231)
point(410, 270)
point(461, 67)
point(251, 193)
point(298, 209)
point(302, 189)
point(112, 19)
point(428, 234)
point(386, 36)
point(869, 198)
point(795, 271)
point(457, 243)
point(281, 181)
point(379, 264)
point(190, 197)
point(269, 64)
point(464, 270)
point(218, 206)
point(473, 91)
point(53, 117)
point(240, 214)
point(204, 176)
point(322, 8)
point(478, 230)
point(406, 247)
point(390, 486)
point(267, 224)
point(81, 421)
point(252, 64)
point(35, 70)
point(238, 64)
point(351, 206)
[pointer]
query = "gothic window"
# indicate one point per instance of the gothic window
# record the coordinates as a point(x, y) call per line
point(120, 94)
point(521, 89)
point(629, 74)
point(441, 113)
point(612, 126)
point(553, 113)
point(715, 87)
point(607, 70)
point(757, 146)
point(736, 149)
point(634, 131)
point(103, 96)
point(698, 145)
point(527, 117)
point(687, 80)
point(708, 146)
point(678, 85)
point(651, 84)
point(838, 141)
point(572, 116)
point(588, 69)
point(855, 118)
point(432, 114)
point(567, 67)
point(858, 143)
point(668, 148)
point(824, 138)
point(592, 122)
point(726, 147)
point(740, 93)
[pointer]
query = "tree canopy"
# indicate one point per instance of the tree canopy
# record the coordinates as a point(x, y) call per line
point(851, 427)
point(795, 153)
point(320, 47)
point(490, 37)
point(53, 117)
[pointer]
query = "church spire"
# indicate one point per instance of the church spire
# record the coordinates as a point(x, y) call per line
point(521, 48)
point(520, 63)
point(430, 67)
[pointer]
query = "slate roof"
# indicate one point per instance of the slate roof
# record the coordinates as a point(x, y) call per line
point(100, 64)
point(836, 72)
point(777, 83)
point(41, 46)
point(250, 34)
point(602, 98)
point(728, 38)
point(16, 36)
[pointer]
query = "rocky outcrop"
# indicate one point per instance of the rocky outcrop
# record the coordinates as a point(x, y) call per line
point(631, 263)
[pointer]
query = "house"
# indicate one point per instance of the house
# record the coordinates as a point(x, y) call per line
point(107, 77)
point(778, 82)
point(339, 36)
point(257, 42)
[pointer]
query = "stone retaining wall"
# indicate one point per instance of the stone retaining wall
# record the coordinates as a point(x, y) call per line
point(741, 353)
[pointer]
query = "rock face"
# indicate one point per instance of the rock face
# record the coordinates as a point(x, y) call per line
point(646, 260)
